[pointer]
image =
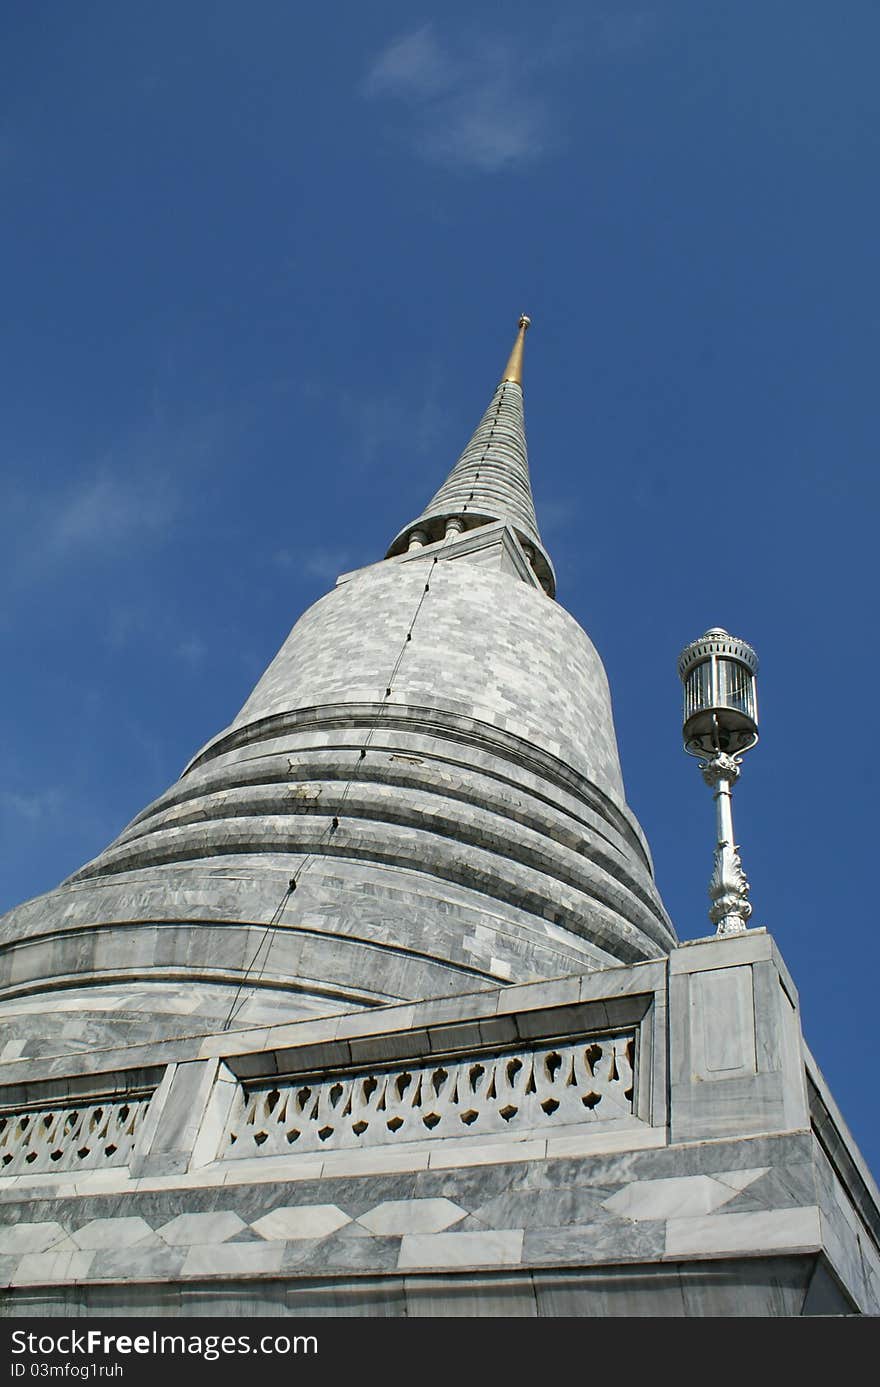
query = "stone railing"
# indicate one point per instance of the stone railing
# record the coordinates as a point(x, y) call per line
point(86, 1137)
point(590, 1080)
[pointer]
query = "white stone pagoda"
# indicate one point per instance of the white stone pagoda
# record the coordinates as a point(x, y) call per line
point(377, 1010)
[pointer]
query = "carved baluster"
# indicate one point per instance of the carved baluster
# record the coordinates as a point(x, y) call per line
point(510, 1081)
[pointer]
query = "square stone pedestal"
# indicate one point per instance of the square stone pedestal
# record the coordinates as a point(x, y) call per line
point(647, 1140)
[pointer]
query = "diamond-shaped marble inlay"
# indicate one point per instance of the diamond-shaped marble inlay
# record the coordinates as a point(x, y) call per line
point(112, 1232)
point(31, 1237)
point(682, 1196)
point(188, 1229)
point(740, 1179)
point(412, 1216)
point(304, 1221)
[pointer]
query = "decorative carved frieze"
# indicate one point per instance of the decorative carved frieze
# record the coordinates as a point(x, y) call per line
point(88, 1137)
point(591, 1080)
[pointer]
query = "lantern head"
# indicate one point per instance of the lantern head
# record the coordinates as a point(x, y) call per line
point(720, 705)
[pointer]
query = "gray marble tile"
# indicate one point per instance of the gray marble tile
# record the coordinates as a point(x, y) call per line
point(432, 1251)
point(233, 1259)
point(37, 1267)
point(112, 1233)
point(545, 1208)
point(145, 1263)
point(472, 1186)
point(594, 1242)
point(339, 1252)
point(723, 1233)
point(31, 1237)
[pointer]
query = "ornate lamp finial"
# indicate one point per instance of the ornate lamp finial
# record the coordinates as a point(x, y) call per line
point(513, 370)
point(720, 722)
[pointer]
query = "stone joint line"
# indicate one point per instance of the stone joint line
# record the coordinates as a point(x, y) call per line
point(239, 998)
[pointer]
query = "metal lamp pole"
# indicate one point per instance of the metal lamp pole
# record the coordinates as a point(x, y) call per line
point(720, 723)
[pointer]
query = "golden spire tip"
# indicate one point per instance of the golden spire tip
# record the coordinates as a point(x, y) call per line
point(513, 370)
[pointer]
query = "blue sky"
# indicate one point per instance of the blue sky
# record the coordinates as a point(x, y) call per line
point(262, 267)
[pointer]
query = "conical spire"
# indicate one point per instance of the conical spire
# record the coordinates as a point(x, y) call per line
point(490, 481)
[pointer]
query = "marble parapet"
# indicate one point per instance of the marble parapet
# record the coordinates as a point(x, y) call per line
point(640, 1139)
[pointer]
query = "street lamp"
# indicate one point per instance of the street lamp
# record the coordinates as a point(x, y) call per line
point(720, 723)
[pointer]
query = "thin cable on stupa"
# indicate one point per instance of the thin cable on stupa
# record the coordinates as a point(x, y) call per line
point(512, 375)
point(276, 918)
point(334, 822)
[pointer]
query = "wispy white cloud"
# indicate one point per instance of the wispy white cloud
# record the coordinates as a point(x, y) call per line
point(557, 513)
point(489, 129)
point(131, 498)
point(48, 527)
point(469, 108)
point(320, 563)
point(485, 101)
point(378, 423)
point(126, 623)
point(105, 510)
point(101, 515)
point(34, 808)
point(411, 65)
point(191, 652)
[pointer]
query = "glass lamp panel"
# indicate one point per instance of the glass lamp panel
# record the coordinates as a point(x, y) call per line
point(698, 689)
point(734, 686)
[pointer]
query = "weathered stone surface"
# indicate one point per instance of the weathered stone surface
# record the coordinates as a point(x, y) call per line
point(39, 1268)
point(475, 802)
point(30, 1237)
